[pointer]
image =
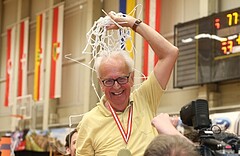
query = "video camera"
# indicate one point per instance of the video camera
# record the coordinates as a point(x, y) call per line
point(213, 142)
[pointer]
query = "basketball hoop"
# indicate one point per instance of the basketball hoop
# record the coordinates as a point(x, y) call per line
point(23, 111)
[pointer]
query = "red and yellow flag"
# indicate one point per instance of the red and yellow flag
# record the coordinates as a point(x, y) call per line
point(39, 57)
point(11, 37)
point(56, 56)
point(23, 57)
point(152, 17)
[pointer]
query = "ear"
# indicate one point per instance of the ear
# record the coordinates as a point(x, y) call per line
point(101, 85)
point(68, 151)
point(131, 78)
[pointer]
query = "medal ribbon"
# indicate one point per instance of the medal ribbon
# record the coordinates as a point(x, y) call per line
point(125, 135)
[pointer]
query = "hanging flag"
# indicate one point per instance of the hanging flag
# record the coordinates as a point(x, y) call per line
point(126, 7)
point(56, 56)
point(11, 35)
point(39, 57)
point(23, 57)
point(152, 18)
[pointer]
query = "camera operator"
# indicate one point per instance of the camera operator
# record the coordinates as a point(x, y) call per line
point(169, 142)
point(167, 125)
point(212, 141)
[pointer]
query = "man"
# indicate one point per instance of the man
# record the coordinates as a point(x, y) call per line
point(71, 143)
point(120, 124)
point(171, 145)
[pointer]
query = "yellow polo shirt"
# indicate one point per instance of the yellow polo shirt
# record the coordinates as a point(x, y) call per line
point(98, 134)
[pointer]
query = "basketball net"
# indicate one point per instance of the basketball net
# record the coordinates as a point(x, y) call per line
point(100, 39)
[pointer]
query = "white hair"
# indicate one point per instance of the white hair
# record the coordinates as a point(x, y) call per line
point(105, 54)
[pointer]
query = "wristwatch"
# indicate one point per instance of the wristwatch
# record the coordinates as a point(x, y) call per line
point(137, 22)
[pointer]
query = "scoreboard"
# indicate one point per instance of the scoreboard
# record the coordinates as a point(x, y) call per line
point(209, 49)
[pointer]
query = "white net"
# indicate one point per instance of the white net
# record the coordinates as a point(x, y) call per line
point(100, 39)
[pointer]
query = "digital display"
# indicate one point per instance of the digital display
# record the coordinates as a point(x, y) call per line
point(209, 49)
point(227, 26)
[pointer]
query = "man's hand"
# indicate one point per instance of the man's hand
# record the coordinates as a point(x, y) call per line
point(119, 19)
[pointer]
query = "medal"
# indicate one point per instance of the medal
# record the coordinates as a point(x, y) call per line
point(124, 152)
point(125, 134)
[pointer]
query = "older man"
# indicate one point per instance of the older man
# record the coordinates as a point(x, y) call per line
point(120, 124)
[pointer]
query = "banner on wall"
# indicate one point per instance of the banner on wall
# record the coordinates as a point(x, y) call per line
point(39, 140)
point(152, 16)
point(126, 7)
point(229, 121)
point(23, 57)
point(39, 57)
point(11, 37)
point(56, 54)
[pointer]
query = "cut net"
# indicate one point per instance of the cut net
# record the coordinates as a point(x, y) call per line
point(100, 39)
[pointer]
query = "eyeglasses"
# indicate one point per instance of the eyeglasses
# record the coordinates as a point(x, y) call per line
point(120, 80)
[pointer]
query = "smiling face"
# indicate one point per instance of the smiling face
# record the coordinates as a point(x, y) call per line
point(117, 95)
